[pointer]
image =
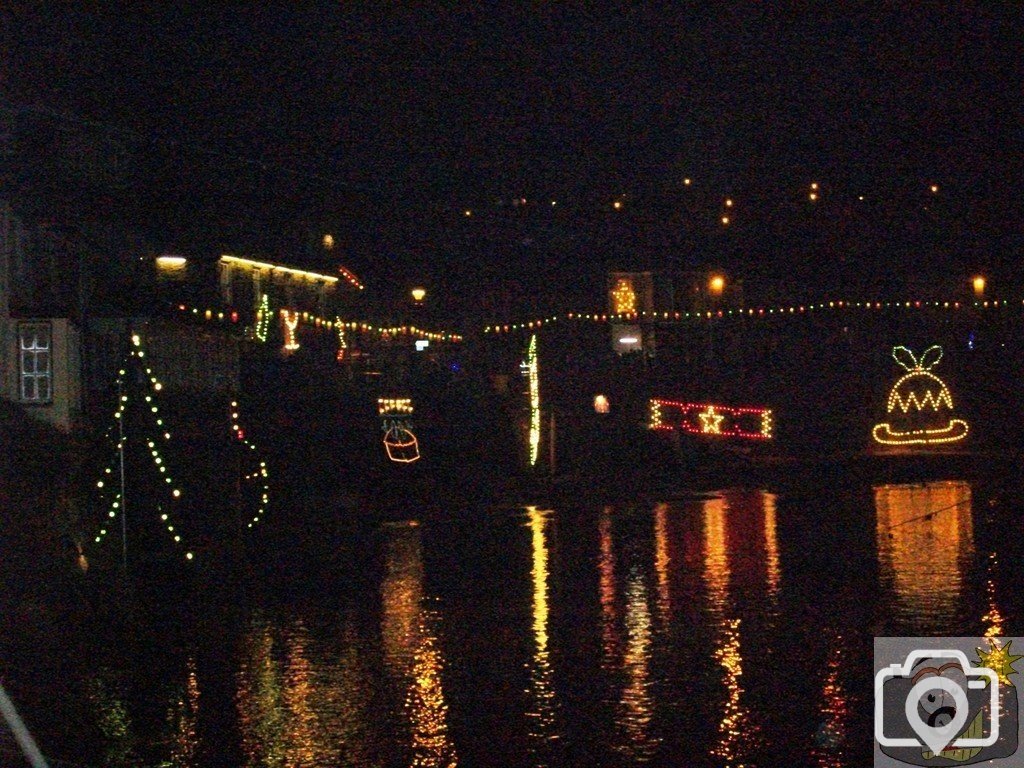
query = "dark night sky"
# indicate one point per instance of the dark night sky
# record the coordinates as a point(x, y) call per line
point(420, 114)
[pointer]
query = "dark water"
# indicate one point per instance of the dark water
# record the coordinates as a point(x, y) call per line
point(726, 631)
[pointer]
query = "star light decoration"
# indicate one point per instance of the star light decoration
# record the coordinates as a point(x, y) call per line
point(624, 297)
point(999, 660)
point(711, 422)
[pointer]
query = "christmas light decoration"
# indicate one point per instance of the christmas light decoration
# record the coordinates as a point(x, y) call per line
point(399, 441)
point(259, 473)
point(300, 273)
point(624, 297)
point(291, 323)
point(263, 318)
point(350, 276)
point(116, 506)
point(747, 423)
point(919, 405)
point(342, 341)
point(763, 313)
point(531, 370)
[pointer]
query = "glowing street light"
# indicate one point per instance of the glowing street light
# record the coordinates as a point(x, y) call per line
point(716, 285)
point(979, 286)
point(418, 294)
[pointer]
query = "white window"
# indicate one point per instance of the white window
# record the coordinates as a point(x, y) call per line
point(36, 369)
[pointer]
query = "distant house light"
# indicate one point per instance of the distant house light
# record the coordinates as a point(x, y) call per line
point(601, 404)
point(422, 344)
point(171, 262)
point(629, 340)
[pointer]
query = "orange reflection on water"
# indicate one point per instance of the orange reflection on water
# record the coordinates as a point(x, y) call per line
point(831, 738)
point(736, 730)
point(636, 706)
point(411, 650)
point(279, 702)
point(771, 546)
point(542, 712)
point(662, 558)
point(303, 744)
point(183, 716)
point(606, 576)
point(925, 543)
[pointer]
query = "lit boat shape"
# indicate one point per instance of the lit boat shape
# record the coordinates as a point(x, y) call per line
point(401, 445)
point(955, 430)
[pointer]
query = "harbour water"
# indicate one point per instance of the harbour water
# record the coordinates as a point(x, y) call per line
point(734, 628)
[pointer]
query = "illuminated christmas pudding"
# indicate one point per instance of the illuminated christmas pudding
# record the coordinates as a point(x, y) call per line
point(920, 407)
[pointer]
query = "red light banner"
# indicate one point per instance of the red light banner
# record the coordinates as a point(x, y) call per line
point(712, 420)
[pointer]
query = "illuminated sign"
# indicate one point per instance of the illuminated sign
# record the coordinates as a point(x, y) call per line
point(712, 420)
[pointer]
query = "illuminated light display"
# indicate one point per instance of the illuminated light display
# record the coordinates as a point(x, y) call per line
point(394, 405)
point(259, 473)
point(263, 318)
point(762, 312)
point(920, 407)
point(713, 420)
point(116, 505)
point(624, 297)
point(342, 341)
point(291, 323)
point(314, 276)
point(601, 404)
point(399, 441)
point(532, 372)
point(350, 276)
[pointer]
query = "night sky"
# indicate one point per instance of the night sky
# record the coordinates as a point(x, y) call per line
point(388, 124)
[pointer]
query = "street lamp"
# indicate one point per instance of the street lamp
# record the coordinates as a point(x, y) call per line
point(418, 294)
point(979, 286)
point(716, 285)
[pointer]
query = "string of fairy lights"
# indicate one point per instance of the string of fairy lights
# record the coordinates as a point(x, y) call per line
point(116, 504)
point(717, 207)
point(313, 321)
point(746, 312)
point(260, 474)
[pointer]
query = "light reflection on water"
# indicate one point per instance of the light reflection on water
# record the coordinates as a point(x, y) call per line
point(925, 546)
point(542, 711)
point(736, 728)
point(648, 635)
point(412, 654)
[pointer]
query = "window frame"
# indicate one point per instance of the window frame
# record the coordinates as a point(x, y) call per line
point(35, 376)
